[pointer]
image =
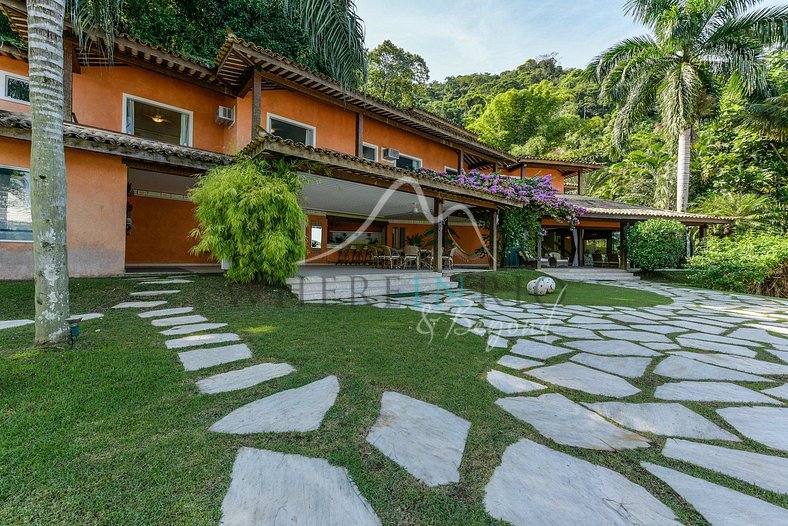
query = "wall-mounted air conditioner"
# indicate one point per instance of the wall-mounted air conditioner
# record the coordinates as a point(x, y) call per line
point(225, 116)
point(390, 154)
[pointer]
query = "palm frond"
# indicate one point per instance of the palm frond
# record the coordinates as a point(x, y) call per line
point(96, 20)
point(769, 117)
point(336, 33)
point(768, 26)
point(650, 12)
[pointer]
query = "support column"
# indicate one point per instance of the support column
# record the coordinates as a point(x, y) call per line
point(622, 249)
point(538, 252)
point(437, 244)
point(68, 80)
point(494, 239)
point(257, 111)
point(580, 249)
point(580, 183)
point(460, 161)
point(576, 243)
point(522, 171)
point(359, 135)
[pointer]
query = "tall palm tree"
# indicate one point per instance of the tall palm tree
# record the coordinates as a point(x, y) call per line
point(696, 47)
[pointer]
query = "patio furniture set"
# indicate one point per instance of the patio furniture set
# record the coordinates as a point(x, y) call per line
point(384, 256)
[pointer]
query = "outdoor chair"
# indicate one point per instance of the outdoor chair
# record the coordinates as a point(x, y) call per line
point(448, 259)
point(388, 258)
point(344, 255)
point(374, 255)
point(411, 256)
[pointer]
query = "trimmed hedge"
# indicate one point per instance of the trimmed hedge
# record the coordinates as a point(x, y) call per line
point(757, 264)
point(657, 244)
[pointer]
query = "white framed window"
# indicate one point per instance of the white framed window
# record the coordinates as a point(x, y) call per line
point(290, 129)
point(156, 121)
point(370, 152)
point(450, 170)
point(407, 162)
point(16, 221)
point(316, 237)
point(15, 88)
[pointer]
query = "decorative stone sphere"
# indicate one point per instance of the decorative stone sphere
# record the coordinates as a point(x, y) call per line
point(541, 287)
point(531, 287)
point(550, 282)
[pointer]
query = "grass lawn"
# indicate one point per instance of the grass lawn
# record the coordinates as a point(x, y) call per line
point(114, 431)
point(511, 284)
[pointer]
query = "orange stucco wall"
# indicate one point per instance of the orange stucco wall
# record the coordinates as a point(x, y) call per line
point(15, 67)
point(96, 214)
point(434, 156)
point(161, 232)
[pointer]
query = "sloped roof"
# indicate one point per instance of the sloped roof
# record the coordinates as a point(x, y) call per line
point(605, 208)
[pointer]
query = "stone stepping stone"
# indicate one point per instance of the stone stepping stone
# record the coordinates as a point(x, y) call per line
point(694, 326)
point(719, 505)
point(622, 366)
point(243, 378)
point(166, 282)
point(739, 363)
point(770, 328)
point(512, 384)
point(535, 485)
point(570, 424)
point(581, 378)
point(728, 340)
point(681, 368)
point(584, 320)
point(767, 425)
point(203, 358)
point(190, 329)
point(538, 350)
point(765, 471)
point(572, 332)
point(496, 342)
point(201, 339)
point(10, 324)
point(779, 392)
point(659, 329)
point(673, 420)
point(165, 312)
point(662, 346)
point(139, 304)
point(711, 392)
point(295, 410)
point(612, 348)
point(635, 336)
point(89, 316)
point(715, 347)
point(278, 489)
point(515, 362)
point(178, 320)
point(758, 335)
point(148, 293)
point(424, 439)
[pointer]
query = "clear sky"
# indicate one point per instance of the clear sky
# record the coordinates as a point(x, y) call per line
point(470, 36)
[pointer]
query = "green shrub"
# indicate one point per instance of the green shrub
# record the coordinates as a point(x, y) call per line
point(657, 243)
point(248, 213)
point(756, 264)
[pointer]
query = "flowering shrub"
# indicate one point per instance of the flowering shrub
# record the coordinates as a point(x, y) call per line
point(536, 193)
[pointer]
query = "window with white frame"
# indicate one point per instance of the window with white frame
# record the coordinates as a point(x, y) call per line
point(158, 122)
point(408, 163)
point(16, 222)
point(14, 87)
point(370, 152)
point(450, 170)
point(292, 130)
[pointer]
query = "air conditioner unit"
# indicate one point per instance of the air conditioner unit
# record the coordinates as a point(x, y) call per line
point(225, 116)
point(390, 154)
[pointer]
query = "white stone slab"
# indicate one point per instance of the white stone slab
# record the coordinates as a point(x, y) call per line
point(726, 348)
point(295, 410)
point(201, 339)
point(166, 282)
point(426, 440)
point(673, 420)
point(758, 335)
point(635, 336)
point(203, 358)
point(711, 392)
point(779, 329)
point(740, 363)
point(191, 329)
point(89, 316)
point(515, 362)
point(681, 368)
point(165, 312)
point(628, 367)
point(538, 350)
point(496, 342)
point(149, 293)
point(178, 320)
point(510, 384)
point(719, 505)
point(766, 471)
point(568, 423)
point(139, 304)
point(575, 376)
point(10, 324)
point(702, 327)
point(659, 329)
point(571, 332)
point(535, 485)
point(767, 425)
point(612, 348)
point(243, 378)
point(778, 392)
point(277, 489)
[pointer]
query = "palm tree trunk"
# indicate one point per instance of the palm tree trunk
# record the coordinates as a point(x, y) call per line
point(683, 171)
point(48, 169)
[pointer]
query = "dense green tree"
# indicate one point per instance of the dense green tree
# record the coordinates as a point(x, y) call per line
point(396, 76)
point(694, 48)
